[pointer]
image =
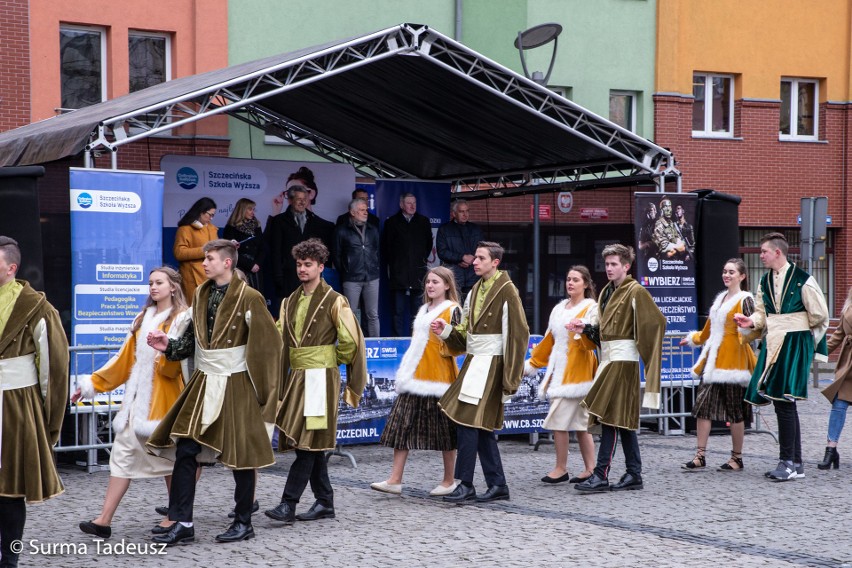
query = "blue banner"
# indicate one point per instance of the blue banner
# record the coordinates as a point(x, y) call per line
point(364, 425)
point(116, 232)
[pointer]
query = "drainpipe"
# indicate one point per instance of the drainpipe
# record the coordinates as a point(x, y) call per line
point(459, 11)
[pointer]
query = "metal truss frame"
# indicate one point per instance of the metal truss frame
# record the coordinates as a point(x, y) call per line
point(242, 98)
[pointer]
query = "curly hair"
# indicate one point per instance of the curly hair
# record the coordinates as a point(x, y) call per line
point(312, 249)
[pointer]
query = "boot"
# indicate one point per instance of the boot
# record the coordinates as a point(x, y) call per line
point(831, 459)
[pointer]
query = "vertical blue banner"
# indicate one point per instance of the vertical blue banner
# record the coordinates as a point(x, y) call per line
point(116, 240)
point(433, 201)
point(665, 265)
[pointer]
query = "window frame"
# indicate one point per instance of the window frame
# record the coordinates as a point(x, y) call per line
point(102, 32)
point(794, 110)
point(634, 96)
point(708, 108)
point(168, 51)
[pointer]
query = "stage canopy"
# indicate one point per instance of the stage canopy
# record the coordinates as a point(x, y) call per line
point(404, 102)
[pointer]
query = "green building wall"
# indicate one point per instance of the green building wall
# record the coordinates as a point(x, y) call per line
point(605, 44)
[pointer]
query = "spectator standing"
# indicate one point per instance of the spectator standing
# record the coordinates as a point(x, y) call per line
point(359, 194)
point(356, 249)
point(406, 246)
point(456, 244)
point(244, 228)
point(195, 229)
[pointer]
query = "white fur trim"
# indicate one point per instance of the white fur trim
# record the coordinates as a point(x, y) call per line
point(405, 381)
point(137, 389)
point(555, 372)
point(718, 317)
point(689, 341)
point(529, 370)
point(571, 390)
point(87, 389)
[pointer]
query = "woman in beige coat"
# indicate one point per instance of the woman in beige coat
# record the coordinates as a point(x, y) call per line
point(839, 393)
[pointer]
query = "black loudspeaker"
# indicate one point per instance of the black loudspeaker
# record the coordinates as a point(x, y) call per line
point(19, 219)
point(718, 239)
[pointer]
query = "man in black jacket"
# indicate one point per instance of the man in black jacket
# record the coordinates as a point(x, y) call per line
point(406, 246)
point(359, 193)
point(456, 244)
point(286, 230)
point(356, 256)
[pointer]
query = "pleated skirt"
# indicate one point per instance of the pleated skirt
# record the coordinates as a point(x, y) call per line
point(416, 423)
point(721, 401)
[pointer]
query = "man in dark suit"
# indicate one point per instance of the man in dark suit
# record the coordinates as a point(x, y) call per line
point(286, 230)
point(406, 246)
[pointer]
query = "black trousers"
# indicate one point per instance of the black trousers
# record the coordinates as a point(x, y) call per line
point(606, 450)
point(789, 434)
point(13, 516)
point(406, 303)
point(182, 495)
point(308, 466)
point(473, 441)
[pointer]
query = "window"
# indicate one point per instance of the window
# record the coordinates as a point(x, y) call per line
point(799, 110)
point(713, 108)
point(149, 59)
point(82, 55)
point(622, 109)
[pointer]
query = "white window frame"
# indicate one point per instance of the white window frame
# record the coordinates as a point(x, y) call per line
point(104, 63)
point(633, 97)
point(794, 109)
point(161, 35)
point(708, 131)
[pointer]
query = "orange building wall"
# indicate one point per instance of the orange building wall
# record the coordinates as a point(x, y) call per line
point(199, 30)
point(761, 41)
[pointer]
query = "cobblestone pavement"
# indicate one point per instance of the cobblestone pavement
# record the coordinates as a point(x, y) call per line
point(680, 518)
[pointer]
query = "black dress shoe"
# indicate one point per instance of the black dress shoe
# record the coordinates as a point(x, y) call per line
point(162, 511)
point(495, 493)
point(178, 534)
point(461, 494)
point(283, 512)
point(254, 507)
point(560, 479)
point(159, 529)
point(628, 482)
point(594, 484)
point(236, 532)
point(578, 479)
point(316, 512)
point(100, 531)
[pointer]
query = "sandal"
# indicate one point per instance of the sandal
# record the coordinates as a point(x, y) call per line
point(697, 462)
point(735, 463)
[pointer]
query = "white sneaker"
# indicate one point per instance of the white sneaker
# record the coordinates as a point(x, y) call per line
point(441, 490)
point(784, 471)
point(800, 471)
point(385, 487)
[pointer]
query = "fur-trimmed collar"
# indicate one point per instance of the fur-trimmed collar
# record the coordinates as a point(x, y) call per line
point(552, 386)
point(406, 382)
point(718, 317)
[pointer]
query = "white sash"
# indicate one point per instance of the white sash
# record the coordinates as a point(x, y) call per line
point(315, 392)
point(482, 348)
point(617, 350)
point(218, 365)
point(15, 373)
point(777, 327)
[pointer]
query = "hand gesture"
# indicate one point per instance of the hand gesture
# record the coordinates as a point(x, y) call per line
point(158, 340)
point(76, 395)
point(438, 326)
point(743, 321)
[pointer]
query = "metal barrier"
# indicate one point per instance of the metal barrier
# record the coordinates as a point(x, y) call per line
point(89, 424)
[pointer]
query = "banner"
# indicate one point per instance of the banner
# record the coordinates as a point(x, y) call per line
point(116, 220)
point(433, 201)
point(364, 425)
point(665, 265)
